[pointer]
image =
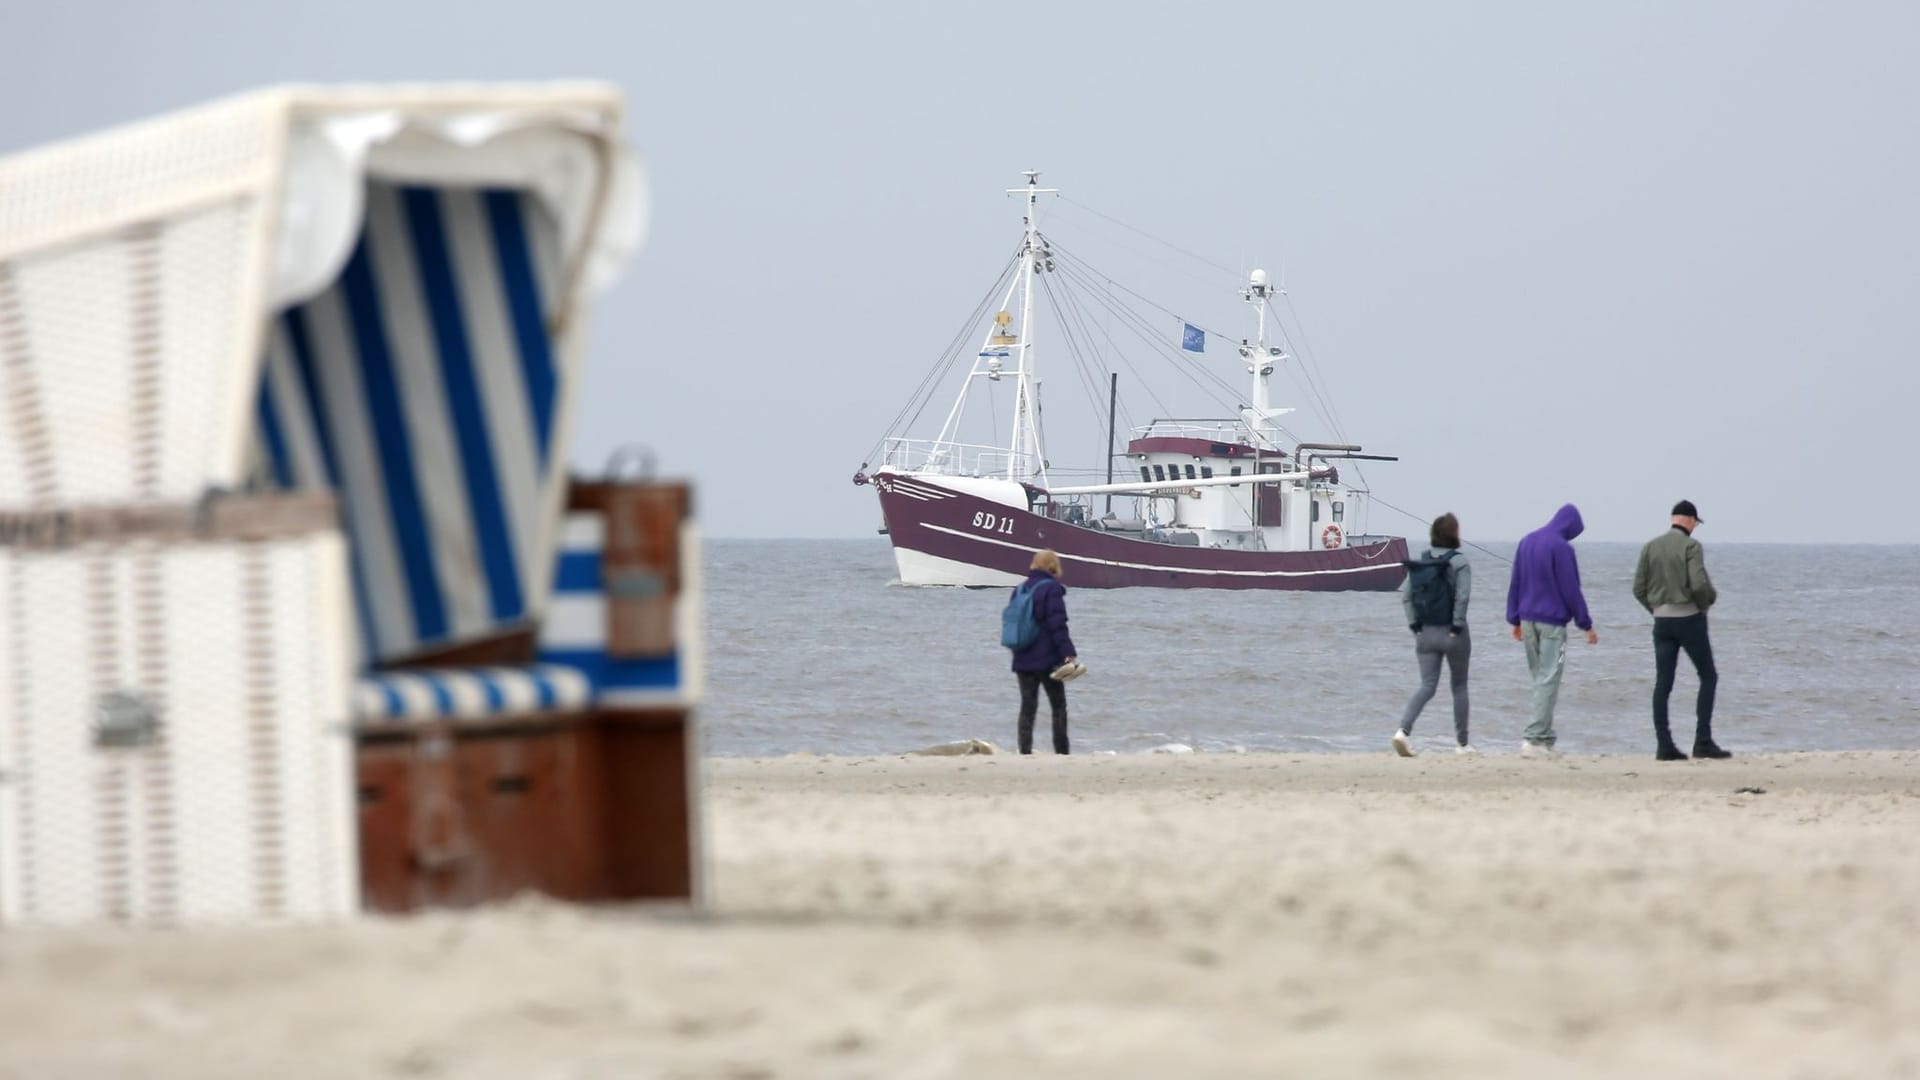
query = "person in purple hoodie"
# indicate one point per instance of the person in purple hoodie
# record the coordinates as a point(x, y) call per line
point(1542, 598)
point(1050, 656)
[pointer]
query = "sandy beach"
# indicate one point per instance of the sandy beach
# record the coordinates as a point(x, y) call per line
point(1134, 916)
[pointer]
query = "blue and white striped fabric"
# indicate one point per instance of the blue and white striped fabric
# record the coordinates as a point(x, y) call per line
point(574, 632)
point(470, 693)
point(423, 387)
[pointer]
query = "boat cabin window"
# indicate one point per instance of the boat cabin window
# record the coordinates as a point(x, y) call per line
point(1206, 472)
point(1339, 510)
point(1316, 509)
point(1145, 474)
point(1189, 472)
point(1159, 473)
point(1234, 472)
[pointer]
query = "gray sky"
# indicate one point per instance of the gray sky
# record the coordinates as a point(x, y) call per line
point(1609, 253)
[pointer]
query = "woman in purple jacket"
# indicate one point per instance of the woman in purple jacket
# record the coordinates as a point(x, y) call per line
point(1040, 663)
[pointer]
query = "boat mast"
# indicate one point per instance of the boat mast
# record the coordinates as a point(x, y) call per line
point(1026, 421)
point(1260, 360)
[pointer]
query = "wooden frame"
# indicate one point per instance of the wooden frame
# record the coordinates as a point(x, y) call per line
point(595, 805)
point(585, 808)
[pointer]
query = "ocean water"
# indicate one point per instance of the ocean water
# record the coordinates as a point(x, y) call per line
point(814, 647)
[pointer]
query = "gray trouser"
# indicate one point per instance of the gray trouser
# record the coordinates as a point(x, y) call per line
point(1546, 658)
point(1430, 646)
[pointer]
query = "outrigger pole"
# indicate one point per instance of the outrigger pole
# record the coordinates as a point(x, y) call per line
point(1113, 402)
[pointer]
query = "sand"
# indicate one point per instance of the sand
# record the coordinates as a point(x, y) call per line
point(1150, 916)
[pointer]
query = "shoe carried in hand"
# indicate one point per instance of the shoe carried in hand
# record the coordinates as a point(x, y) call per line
point(1068, 671)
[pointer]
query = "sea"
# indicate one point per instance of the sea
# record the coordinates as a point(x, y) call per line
point(813, 646)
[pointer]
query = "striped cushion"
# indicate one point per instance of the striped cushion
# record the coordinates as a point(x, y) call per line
point(469, 693)
point(423, 387)
point(574, 632)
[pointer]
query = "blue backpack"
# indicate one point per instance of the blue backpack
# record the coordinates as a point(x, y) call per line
point(1432, 589)
point(1018, 627)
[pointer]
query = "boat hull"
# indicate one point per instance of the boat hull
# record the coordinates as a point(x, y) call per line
point(945, 537)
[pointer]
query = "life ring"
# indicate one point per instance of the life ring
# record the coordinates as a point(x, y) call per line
point(1330, 537)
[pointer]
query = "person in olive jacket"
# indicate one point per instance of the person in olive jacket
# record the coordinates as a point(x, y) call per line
point(1671, 582)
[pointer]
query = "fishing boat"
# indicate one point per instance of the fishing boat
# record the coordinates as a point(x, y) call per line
point(1230, 503)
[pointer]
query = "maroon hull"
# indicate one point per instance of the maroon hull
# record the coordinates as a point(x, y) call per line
point(926, 517)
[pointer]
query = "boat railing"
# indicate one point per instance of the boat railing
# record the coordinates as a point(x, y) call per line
point(955, 459)
point(1227, 431)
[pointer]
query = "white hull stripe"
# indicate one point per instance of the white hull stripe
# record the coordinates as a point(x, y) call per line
point(1156, 566)
point(908, 487)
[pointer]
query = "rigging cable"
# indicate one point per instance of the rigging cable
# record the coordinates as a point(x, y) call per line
point(1144, 326)
point(1073, 313)
point(921, 394)
point(1417, 518)
point(1329, 415)
point(1169, 312)
point(1106, 332)
point(1143, 329)
point(1305, 369)
point(1131, 320)
point(1127, 360)
point(1142, 232)
point(1332, 415)
point(1082, 228)
point(1141, 326)
point(1070, 314)
point(1339, 424)
point(1078, 313)
point(1089, 383)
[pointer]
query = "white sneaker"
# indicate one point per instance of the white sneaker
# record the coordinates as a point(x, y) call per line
point(1467, 748)
point(1538, 750)
point(1400, 744)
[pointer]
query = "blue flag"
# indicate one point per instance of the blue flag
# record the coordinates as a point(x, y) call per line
point(1193, 339)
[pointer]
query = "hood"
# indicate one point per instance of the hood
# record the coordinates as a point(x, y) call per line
point(1566, 522)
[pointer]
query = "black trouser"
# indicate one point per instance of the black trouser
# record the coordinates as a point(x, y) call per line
point(1669, 637)
point(1030, 684)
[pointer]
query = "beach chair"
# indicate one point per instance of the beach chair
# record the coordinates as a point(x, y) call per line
point(301, 611)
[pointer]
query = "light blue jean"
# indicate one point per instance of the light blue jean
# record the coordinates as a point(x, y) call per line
point(1546, 647)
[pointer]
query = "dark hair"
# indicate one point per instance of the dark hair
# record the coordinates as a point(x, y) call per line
point(1446, 531)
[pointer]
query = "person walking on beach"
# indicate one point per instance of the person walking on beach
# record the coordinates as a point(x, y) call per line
point(1048, 659)
point(1435, 599)
point(1543, 596)
point(1671, 582)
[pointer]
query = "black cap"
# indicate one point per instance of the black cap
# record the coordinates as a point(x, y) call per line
point(1685, 508)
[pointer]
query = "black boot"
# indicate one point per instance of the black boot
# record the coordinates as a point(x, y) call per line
point(1707, 748)
point(1664, 750)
